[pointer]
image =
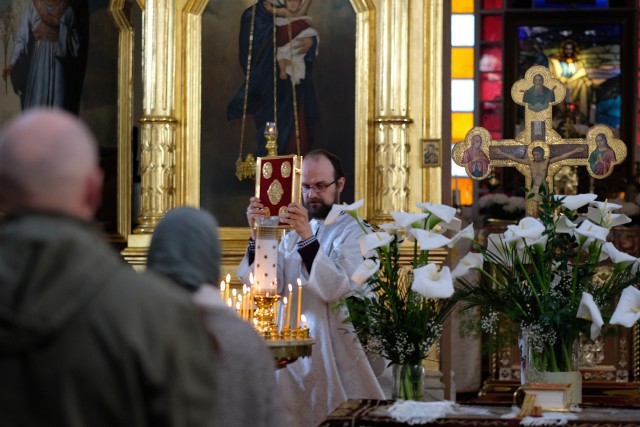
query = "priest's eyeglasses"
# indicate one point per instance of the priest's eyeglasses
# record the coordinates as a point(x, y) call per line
point(320, 187)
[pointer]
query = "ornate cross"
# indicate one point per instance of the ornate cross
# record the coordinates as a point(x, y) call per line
point(538, 152)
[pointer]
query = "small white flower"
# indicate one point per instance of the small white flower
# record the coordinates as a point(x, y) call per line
point(588, 310)
point(628, 310)
point(575, 202)
point(467, 233)
point(365, 270)
point(371, 241)
point(429, 240)
point(431, 283)
point(469, 261)
point(336, 210)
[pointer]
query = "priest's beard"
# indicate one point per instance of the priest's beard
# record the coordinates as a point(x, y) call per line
point(317, 207)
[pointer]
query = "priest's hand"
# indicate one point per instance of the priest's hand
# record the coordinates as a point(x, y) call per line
point(255, 210)
point(297, 217)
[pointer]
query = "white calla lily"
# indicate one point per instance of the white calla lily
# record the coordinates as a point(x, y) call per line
point(336, 210)
point(528, 228)
point(606, 218)
point(618, 257)
point(407, 220)
point(439, 213)
point(565, 225)
point(371, 241)
point(466, 233)
point(429, 240)
point(431, 283)
point(587, 232)
point(470, 261)
point(575, 202)
point(628, 310)
point(454, 225)
point(588, 310)
point(365, 270)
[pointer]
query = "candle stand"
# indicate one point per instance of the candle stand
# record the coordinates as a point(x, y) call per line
point(287, 344)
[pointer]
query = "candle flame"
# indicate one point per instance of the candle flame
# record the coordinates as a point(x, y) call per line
point(228, 278)
point(222, 285)
point(290, 287)
point(240, 298)
point(299, 281)
point(284, 300)
point(303, 318)
point(234, 292)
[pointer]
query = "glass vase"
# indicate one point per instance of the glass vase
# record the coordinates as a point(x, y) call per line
point(408, 381)
point(546, 363)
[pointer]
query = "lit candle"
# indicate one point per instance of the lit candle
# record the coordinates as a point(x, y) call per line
point(289, 306)
point(226, 287)
point(286, 307)
point(222, 286)
point(234, 294)
point(304, 321)
point(229, 302)
point(299, 302)
point(240, 307)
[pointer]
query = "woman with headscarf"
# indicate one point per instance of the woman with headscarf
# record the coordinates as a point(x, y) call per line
point(185, 248)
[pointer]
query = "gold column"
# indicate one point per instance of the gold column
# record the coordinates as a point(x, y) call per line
point(170, 121)
point(158, 125)
point(392, 122)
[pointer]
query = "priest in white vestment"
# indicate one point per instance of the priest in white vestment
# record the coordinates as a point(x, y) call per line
point(324, 258)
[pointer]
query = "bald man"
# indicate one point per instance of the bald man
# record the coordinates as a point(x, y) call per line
point(84, 340)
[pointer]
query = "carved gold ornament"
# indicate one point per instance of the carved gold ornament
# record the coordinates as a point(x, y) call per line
point(267, 170)
point(283, 211)
point(275, 192)
point(285, 169)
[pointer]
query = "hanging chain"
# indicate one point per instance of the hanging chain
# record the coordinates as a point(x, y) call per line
point(244, 169)
point(275, 77)
point(293, 88)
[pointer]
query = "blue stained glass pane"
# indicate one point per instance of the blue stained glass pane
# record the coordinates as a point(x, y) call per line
point(583, 4)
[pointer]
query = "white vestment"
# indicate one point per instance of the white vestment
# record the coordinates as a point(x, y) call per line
point(338, 368)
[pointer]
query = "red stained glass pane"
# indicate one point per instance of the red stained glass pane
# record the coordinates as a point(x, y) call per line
point(492, 28)
point(492, 4)
point(490, 90)
point(491, 58)
point(491, 116)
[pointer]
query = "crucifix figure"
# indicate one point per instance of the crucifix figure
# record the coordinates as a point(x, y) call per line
point(538, 152)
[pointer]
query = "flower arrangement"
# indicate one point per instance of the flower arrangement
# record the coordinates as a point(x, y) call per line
point(501, 206)
point(540, 275)
point(401, 308)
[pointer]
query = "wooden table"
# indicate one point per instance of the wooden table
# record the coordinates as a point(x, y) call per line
point(373, 413)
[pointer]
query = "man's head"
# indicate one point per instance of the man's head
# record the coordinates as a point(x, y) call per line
point(49, 162)
point(538, 80)
point(538, 154)
point(568, 48)
point(322, 182)
point(601, 140)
